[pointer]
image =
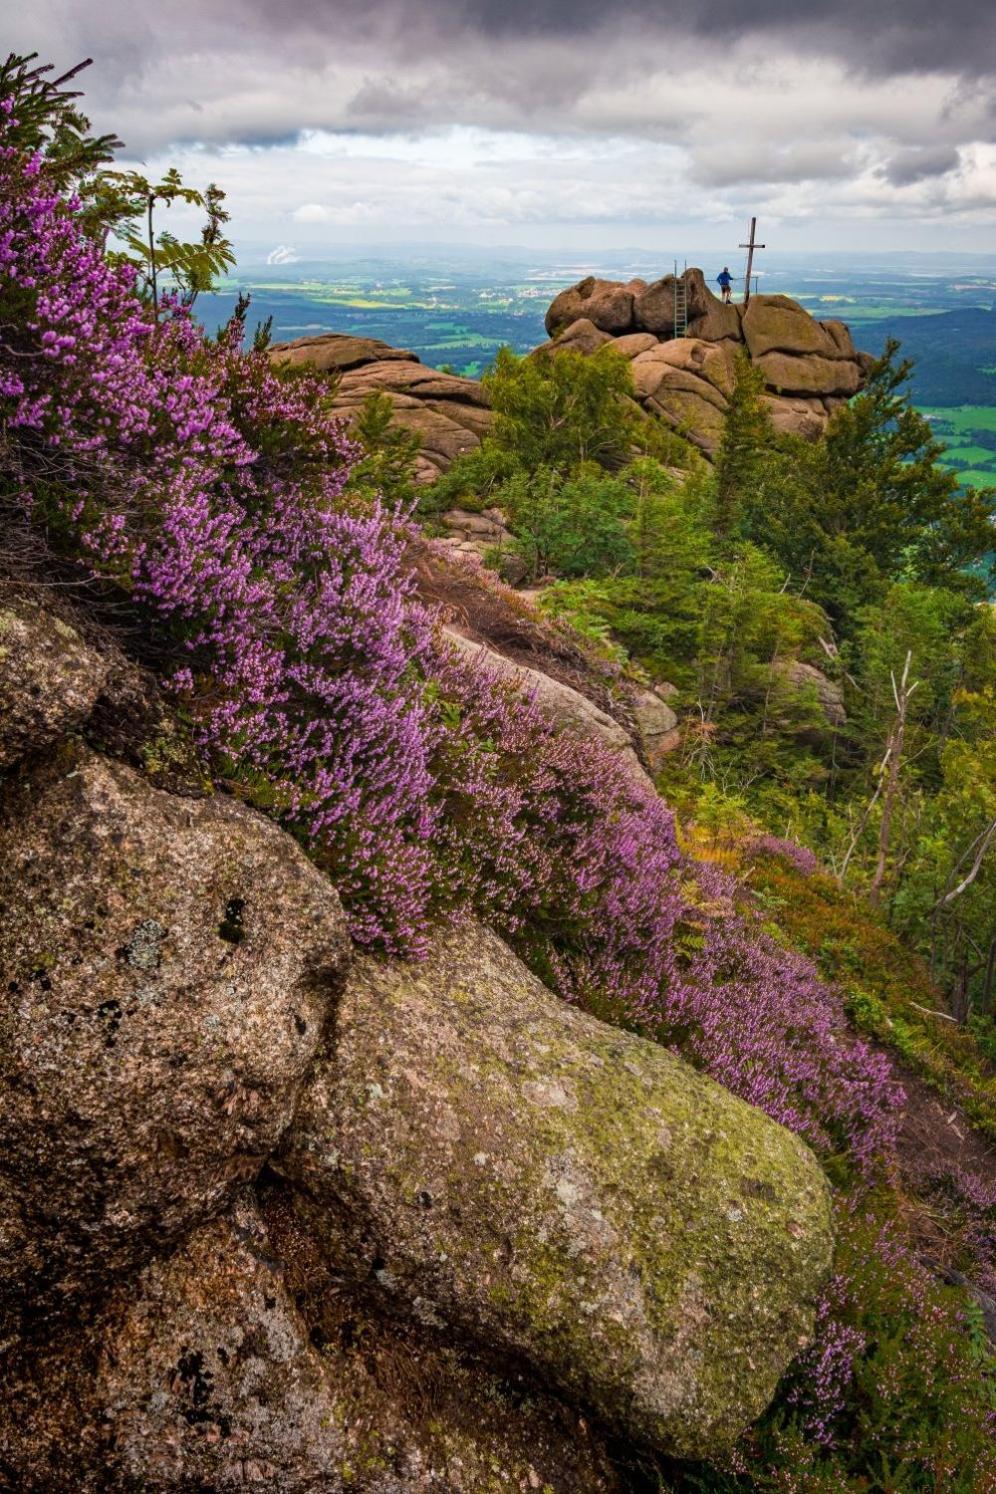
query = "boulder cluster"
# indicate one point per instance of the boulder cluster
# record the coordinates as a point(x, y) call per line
point(810, 367)
point(449, 414)
point(275, 1212)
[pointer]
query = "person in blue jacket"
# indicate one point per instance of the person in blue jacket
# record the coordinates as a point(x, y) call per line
point(725, 282)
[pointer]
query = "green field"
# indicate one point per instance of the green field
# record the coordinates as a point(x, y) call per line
point(967, 418)
point(969, 431)
point(967, 456)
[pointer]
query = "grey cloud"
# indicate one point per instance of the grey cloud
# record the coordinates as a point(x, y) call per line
point(917, 165)
point(727, 166)
point(888, 37)
point(767, 96)
point(916, 35)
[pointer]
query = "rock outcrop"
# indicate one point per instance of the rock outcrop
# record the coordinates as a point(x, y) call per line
point(606, 304)
point(809, 367)
point(503, 630)
point(272, 1213)
point(449, 414)
point(49, 679)
point(168, 966)
point(204, 1373)
point(563, 704)
point(657, 725)
point(497, 1161)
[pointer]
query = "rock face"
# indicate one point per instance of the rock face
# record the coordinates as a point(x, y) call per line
point(567, 707)
point(498, 1161)
point(203, 1374)
point(49, 679)
point(168, 965)
point(274, 1214)
point(447, 413)
point(606, 304)
point(809, 367)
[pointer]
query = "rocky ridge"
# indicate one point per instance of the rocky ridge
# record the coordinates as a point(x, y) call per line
point(449, 414)
point(275, 1213)
point(810, 367)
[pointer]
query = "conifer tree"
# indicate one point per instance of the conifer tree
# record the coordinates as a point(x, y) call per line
point(747, 439)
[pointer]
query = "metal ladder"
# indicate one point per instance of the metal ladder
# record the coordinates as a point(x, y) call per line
point(680, 302)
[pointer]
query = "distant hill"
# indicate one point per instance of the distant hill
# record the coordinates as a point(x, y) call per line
point(952, 351)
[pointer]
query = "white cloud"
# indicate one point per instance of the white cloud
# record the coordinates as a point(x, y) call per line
point(283, 254)
point(311, 212)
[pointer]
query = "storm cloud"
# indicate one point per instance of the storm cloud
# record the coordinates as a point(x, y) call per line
point(568, 108)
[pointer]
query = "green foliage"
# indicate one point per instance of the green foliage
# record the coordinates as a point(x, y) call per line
point(563, 413)
point(869, 505)
point(125, 202)
point(387, 466)
point(562, 410)
point(653, 603)
point(117, 205)
point(896, 1396)
point(792, 579)
point(915, 1415)
point(743, 461)
point(50, 122)
point(572, 527)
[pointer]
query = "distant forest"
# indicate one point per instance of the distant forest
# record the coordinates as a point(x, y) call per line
point(954, 352)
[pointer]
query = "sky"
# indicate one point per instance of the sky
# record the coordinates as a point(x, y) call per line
point(862, 124)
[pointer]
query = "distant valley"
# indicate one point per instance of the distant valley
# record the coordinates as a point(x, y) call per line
point(455, 310)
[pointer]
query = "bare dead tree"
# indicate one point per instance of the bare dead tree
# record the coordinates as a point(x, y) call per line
point(980, 845)
point(891, 764)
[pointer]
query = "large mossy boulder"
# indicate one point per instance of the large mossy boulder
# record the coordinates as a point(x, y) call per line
point(169, 965)
point(495, 1162)
point(778, 323)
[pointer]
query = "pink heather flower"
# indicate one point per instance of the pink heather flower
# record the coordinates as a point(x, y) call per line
point(212, 490)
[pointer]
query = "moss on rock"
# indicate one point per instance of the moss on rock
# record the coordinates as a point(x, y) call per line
point(563, 1191)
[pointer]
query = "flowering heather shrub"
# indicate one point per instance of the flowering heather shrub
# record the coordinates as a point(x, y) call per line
point(801, 857)
point(897, 1390)
point(211, 488)
point(578, 864)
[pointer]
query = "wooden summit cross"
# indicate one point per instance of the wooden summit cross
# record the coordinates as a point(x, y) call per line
point(750, 246)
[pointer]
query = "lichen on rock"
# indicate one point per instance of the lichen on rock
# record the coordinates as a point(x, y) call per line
point(148, 1063)
point(564, 1191)
point(49, 678)
point(202, 1373)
